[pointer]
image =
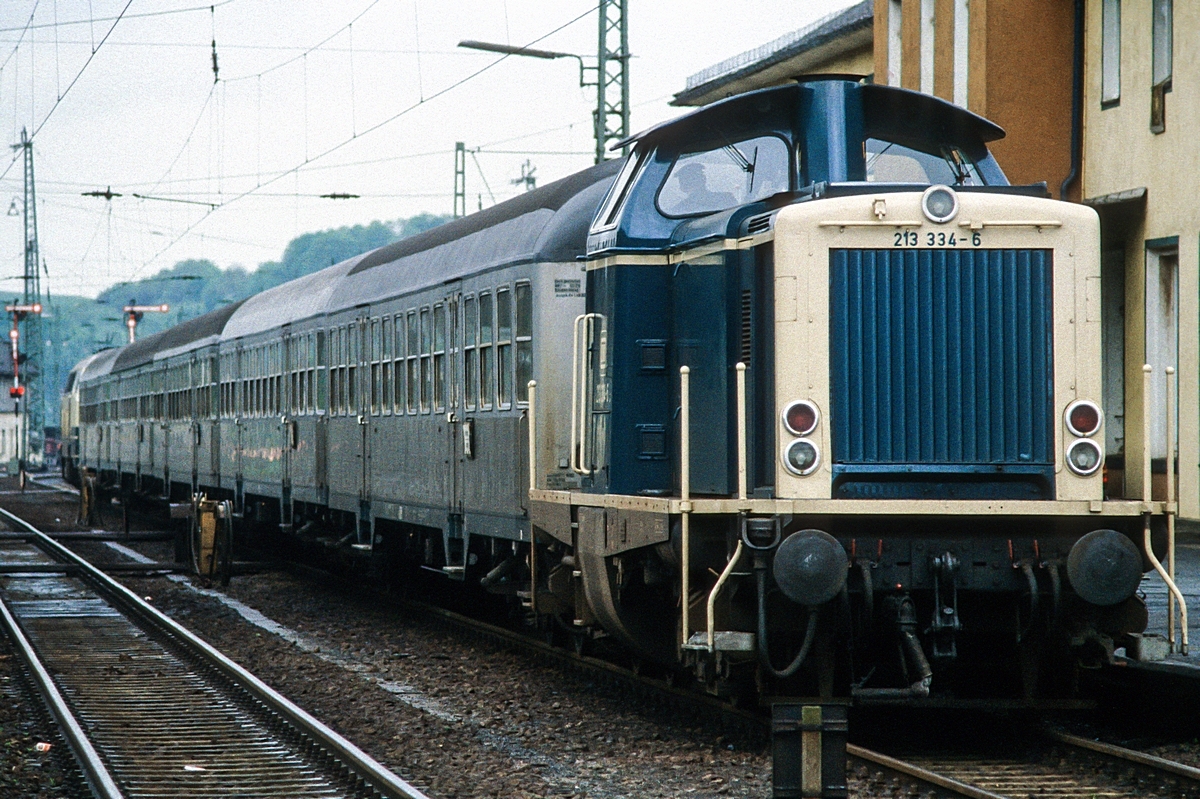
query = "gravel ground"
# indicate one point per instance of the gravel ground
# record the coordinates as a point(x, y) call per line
point(24, 770)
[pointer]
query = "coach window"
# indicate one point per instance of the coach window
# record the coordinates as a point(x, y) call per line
point(398, 366)
point(273, 380)
point(470, 355)
point(334, 382)
point(524, 298)
point(354, 335)
point(260, 383)
point(452, 351)
point(504, 346)
point(374, 345)
point(426, 352)
point(385, 367)
point(337, 379)
point(439, 357)
point(317, 401)
point(414, 350)
point(300, 394)
point(487, 370)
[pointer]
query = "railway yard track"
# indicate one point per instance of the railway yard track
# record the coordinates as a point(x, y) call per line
point(56, 594)
point(150, 710)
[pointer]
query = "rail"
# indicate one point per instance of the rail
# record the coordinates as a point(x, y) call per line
point(354, 759)
point(94, 770)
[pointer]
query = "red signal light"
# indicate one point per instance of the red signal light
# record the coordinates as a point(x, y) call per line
point(17, 391)
point(1083, 418)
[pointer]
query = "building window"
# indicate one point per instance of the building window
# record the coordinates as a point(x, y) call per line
point(1162, 336)
point(1162, 43)
point(895, 42)
point(962, 51)
point(927, 46)
point(1110, 54)
point(1161, 72)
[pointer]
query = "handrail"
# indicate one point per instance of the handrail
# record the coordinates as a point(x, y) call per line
point(532, 436)
point(1172, 588)
point(581, 391)
point(716, 590)
point(741, 431)
point(685, 493)
point(1171, 510)
point(532, 411)
point(575, 394)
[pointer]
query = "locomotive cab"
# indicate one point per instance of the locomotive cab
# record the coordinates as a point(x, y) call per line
point(824, 401)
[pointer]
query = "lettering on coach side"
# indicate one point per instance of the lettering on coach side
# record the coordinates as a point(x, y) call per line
point(568, 287)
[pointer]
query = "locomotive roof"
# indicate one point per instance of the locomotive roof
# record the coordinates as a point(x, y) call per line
point(900, 105)
point(98, 365)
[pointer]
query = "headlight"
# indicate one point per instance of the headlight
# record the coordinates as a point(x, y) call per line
point(1084, 457)
point(1083, 418)
point(800, 418)
point(939, 203)
point(801, 457)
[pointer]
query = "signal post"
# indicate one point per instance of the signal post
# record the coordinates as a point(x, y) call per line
point(17, 391)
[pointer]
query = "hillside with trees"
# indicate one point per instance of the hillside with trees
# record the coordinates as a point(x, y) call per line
point(75, 327)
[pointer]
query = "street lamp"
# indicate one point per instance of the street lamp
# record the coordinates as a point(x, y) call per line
point(549, 55)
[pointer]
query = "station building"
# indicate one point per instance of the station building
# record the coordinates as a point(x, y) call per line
point(1097, 105)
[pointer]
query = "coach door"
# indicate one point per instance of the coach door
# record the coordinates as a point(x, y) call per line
point(453, 395)
point(213, 406)
point(361, 344)
point(288, 432)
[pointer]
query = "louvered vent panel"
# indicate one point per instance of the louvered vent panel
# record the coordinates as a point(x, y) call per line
point(941, 356)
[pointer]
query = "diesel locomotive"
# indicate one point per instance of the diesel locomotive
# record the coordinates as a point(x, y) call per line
point(802, 396)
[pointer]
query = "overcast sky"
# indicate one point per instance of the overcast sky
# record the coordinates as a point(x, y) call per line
point(364, 97)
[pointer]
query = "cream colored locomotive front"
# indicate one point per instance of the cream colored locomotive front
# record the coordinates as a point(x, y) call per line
point(806, 233)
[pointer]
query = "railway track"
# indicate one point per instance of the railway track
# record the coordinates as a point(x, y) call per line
point(150, 710)
point(1061, 766)
point(1058, 766)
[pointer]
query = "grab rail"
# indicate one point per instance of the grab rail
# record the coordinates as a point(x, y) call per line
point(581, 389)
point(1168, 578)
point(685, 493)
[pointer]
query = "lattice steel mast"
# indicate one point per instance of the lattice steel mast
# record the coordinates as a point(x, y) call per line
point(31, 324)
point(612, 78)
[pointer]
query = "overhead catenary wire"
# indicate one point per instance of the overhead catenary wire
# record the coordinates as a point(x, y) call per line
point(91, 20)
point(306, 52)
point(334, 148)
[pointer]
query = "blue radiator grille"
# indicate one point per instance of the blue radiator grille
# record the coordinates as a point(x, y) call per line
point(941, 357)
